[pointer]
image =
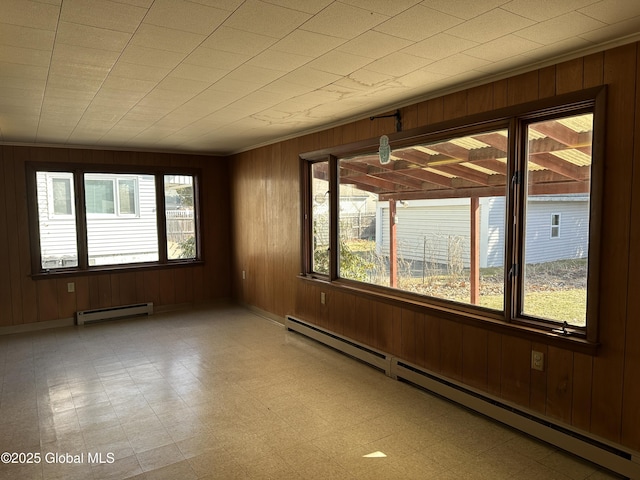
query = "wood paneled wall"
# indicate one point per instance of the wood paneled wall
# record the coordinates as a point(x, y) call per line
point(24, 300)
point(597, 394)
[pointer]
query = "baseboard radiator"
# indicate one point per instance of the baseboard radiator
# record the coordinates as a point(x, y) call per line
point(84, 317)
point(354, 349)
point(608, 455)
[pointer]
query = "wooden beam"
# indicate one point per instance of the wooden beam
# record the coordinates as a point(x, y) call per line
point(465, 173)
point(496, 140)
point(562, 167)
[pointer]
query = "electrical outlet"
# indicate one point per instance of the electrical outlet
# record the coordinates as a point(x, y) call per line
point(537, 360)
point(323, 298)
point(244, 275)
point(71, 287)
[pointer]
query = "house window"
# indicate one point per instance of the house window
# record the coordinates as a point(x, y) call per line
point(558, 170)
point(111, 194)
point(180, 215)
point(459, 219)
point(555, 225)
point(118, 232)
point(121, 219)
point(56, 220)
point(61, 195)
point(431, 221)
point(320, 216)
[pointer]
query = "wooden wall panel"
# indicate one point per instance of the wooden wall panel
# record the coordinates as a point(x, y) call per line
point(559, 365)
point(516, 370)
point(538, 381)
point(451, 349)
point(432, 343)
point(569, 76)
point(522, 88)
point(475, 357)
point(408, 335)
point(455, 105)
point(494, 363)
point(606, 405)
point(630, 411)
point(582, 386)
point(480, 99)
point(6, 313)
point(547, 82)
point(383, 329)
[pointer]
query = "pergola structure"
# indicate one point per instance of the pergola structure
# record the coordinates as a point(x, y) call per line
point(474, 166)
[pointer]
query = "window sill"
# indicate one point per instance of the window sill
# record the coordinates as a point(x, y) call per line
point(485, 320)
point(111, 269)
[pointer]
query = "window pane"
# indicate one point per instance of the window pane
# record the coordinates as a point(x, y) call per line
point(320, 216)
point(61, 190)
point(57, 222)
point(114, 239)
point(99, 196)
point(557, 219)
point(179, 211)
point(431, 221)
point(127, 196)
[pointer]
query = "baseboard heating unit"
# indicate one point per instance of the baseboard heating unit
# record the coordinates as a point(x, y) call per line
point(113, 313)
point(601, 452)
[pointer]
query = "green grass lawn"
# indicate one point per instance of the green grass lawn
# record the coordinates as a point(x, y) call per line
point(561, 305)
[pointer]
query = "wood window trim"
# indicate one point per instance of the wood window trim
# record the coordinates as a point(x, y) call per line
point(78, 170)
point(593, 100)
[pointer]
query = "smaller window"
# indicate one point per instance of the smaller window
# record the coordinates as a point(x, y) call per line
point(61, 202)
point(555, 225)
point(102, 198)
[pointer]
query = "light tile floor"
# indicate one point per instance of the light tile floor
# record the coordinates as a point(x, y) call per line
point(221, 393)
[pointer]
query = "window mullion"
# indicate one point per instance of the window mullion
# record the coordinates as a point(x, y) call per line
point(81, 220)
point(161, 218)
point(513, 218)
point(334, 195)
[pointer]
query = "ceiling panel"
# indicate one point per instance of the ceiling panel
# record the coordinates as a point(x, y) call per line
point(219, 76)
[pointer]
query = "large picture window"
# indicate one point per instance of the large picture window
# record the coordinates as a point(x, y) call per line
point(84, 218)
point(495, 218)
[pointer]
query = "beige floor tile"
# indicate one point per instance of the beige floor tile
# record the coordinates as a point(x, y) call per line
point(220, 393)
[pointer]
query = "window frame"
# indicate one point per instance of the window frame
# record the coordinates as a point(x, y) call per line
point(78, 172)
point(516, 118)
point(555, 226)
point(52, 200)
point(115, 180)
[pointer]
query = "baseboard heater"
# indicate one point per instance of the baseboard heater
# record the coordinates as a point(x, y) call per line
point(607, 455)
point(84, 317)
point(354, 349)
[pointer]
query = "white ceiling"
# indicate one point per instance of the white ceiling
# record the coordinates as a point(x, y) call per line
point(220, 76)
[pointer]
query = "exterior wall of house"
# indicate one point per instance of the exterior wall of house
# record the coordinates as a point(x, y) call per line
point(427, 230)
point(121, 239)
point(572, 241)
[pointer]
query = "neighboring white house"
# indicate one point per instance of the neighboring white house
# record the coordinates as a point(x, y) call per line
point(433, 230)
point(121, 217)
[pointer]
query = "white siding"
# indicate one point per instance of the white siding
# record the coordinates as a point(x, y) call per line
point(574, 230)
point(57, 233)
point(428, 230)
point(495, 233)
point(425, 229)
point(135, 237)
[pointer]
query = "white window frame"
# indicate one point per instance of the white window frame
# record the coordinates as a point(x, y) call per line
point(557, 227)
point(115, 185)
point(50, 177)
